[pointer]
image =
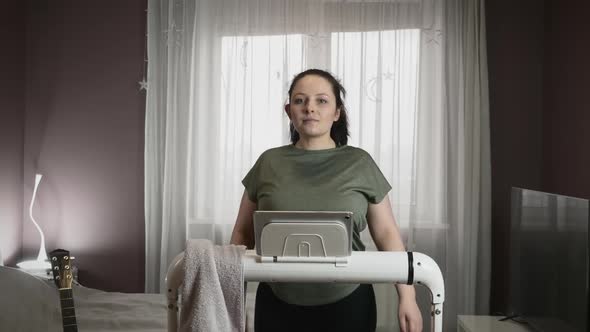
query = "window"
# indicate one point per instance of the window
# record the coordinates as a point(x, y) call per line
point(379, 69)
point(255, 70)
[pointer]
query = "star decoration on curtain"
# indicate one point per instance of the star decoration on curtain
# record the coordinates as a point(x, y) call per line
point(374, 83)
point(173, 35)
point(433, 36)
point(143, 84)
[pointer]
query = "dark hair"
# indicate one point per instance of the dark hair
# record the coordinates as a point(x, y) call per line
point(339, 130)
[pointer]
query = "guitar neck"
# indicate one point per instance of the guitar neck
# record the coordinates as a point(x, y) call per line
point(68, 313)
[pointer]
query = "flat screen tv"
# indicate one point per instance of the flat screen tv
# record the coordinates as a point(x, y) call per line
point(549, 268)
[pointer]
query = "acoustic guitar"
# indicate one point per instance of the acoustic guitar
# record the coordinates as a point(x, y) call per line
point(62, 276)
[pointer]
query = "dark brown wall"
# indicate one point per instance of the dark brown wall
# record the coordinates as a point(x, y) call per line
point(539, 110)
point(12, 106)
point(515, 41)
point(84, 127)
point(567, 99)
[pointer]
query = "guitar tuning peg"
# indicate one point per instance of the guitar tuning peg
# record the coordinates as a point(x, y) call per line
point(72, 257)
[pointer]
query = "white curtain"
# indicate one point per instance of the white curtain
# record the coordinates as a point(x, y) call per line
point(416, 76)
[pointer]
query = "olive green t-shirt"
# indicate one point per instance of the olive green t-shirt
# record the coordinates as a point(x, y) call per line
point(344, 178)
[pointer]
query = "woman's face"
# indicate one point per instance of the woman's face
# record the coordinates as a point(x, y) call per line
point(312, 108)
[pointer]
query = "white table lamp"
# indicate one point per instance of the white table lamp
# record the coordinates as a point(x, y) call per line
point(41, 263)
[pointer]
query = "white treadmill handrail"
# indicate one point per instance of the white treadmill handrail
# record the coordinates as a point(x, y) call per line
point(362, 267)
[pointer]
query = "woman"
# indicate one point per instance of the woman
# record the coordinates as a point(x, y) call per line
point(319, 171)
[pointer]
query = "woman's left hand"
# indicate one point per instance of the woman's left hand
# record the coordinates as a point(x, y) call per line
point(410, 318)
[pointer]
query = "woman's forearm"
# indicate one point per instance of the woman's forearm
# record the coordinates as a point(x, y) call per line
point(239, 238)
point(243, 232)
point(392, 241)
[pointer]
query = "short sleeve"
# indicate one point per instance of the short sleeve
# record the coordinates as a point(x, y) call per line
point(250, 181)
point(377, 184)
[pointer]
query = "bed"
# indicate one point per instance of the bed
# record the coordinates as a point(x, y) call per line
point(28, 303)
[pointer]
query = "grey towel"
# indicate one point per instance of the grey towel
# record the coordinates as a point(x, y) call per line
point(213, 288)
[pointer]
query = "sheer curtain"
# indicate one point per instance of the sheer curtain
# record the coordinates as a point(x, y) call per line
point(416, 76)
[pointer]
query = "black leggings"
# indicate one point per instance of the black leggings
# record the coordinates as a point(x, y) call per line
point(354, 313)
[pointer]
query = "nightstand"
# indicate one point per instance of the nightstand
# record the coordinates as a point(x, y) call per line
point(471, 323)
